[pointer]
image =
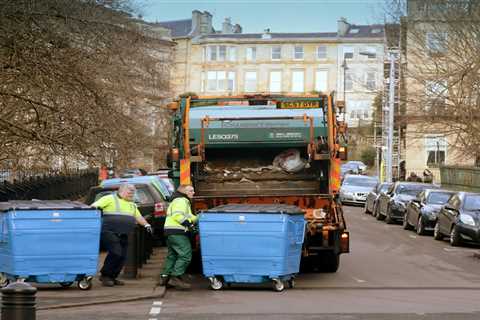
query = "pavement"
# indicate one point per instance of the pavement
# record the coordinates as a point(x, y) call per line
point(143, 287)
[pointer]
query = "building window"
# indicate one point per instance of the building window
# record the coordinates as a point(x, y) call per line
point(370, 81)
point(212, 53)
point(348, 52)
point(275, 81)
point(220, 81)
point(298, 81)
point(365, 114)
point(276, 53)
point(250, 81)
point(436, 42)
point(436, 93)
point(348, 81)
point(321, 52)
point(251, 54)
point(298, 53)
point(436, 149)
point(370, 52)
point(321, 78)
point(221, 53)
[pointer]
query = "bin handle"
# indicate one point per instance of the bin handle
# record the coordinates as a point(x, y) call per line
point(303, 234)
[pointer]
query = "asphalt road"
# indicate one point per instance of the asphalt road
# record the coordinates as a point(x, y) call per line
point(389, 274)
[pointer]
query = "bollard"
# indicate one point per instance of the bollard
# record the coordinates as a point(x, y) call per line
point(18, 302)
point(131, 266)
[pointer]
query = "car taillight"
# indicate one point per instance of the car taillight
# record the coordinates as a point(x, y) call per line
point(159, 210)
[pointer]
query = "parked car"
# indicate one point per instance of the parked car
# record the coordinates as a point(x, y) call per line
point(392, 205)
point(149, 200)
point(459, 219)
point(361, 167)
point(355, 188)
point(163, 185)
point(373, 195)
point(422, 212)
point(129, 173)
point(348, 169)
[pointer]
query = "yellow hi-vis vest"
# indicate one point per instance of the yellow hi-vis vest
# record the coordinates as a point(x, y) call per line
point(178, 212)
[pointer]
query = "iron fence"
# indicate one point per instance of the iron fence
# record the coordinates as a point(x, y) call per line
point(49, 185)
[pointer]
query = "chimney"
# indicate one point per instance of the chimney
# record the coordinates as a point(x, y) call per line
point(237, 28)
point(201, 23)
point(342, 26)
point(266, 34)
point(227, 26)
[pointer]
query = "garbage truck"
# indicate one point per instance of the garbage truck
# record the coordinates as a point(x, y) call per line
point(267, 149)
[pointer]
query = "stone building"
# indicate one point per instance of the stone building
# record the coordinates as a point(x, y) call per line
point(229, 62)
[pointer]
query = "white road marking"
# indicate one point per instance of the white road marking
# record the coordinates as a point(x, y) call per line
point(457, 250)
point(359, 280)
point(156, 309)
point(412, 236)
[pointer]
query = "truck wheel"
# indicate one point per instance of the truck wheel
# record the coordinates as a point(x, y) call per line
point(215, 283)
point(291, 283)
point(85, 283)
point(329, 262)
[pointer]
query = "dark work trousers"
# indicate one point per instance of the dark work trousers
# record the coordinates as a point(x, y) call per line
point(116, 246)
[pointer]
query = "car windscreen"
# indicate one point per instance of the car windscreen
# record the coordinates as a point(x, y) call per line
point(438, 197)
point(359, 181)
point(411, 190)
point(472, 202)
point(384, 187)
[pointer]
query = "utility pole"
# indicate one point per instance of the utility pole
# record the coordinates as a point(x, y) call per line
point(391, 112)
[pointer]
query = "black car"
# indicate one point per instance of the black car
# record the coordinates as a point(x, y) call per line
point(373, 195)
point(422, 211)
point(392, 204)
point(459, 219)
point(148, 200)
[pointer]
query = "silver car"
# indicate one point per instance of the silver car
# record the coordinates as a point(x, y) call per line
point(355, 188)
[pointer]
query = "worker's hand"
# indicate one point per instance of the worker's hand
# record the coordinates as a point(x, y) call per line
point(148, 228)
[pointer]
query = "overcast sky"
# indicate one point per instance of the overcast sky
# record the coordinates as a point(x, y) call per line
point(278, 15)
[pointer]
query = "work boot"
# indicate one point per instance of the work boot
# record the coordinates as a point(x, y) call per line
point(162, 280)
point(179, 284)
point(118, 282)
point(107, 282)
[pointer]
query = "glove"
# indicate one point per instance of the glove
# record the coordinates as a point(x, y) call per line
point(148, 228)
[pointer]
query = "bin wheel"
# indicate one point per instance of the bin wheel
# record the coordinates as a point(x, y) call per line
point(216, 284)
point(278, 285)
point(66, 284)
point(85, 283)
point(291, 283)
point(3, 280)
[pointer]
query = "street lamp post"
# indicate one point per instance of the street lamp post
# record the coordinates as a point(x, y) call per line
point(345, 68)
point(390, 111)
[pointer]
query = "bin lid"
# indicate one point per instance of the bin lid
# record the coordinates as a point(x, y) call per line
point(42, 205)
point(257, 208)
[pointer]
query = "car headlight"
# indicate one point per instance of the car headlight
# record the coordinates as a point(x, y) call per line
point(466, 219)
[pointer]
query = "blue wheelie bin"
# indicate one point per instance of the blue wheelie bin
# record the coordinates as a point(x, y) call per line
point(251, 243)
point(49, 242)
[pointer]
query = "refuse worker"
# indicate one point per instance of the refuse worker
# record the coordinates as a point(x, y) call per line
point(179, 222)
point(120, 214)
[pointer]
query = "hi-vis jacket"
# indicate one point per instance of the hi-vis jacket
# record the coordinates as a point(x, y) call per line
point(179, 217)
point(119, 215)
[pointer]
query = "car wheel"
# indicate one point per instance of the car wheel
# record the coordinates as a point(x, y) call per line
point(455, 239)
point(437, 235)
point(378, 215)
point(405, 223)
point(420, 226)
point(388, 217)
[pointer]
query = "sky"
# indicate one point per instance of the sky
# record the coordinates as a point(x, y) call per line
point(277, 15)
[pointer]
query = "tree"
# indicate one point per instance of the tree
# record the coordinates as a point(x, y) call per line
point(79, 80)
point(443, 79)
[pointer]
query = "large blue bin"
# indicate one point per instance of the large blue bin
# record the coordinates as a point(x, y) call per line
point(49, 242)
point(251, 244)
